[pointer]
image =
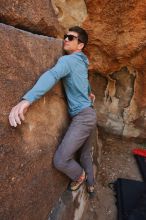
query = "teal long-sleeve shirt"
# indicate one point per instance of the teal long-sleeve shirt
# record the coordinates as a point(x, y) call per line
point(73, 70)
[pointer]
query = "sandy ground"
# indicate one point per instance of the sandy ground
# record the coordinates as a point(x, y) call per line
point(117, 162)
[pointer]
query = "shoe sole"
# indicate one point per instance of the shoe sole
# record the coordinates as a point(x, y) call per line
point(78, 186)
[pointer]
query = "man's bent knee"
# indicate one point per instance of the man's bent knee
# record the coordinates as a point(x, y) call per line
point(59, 163)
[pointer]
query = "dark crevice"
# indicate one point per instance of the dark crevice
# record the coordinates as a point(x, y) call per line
point(45, 30)
point(122, 87)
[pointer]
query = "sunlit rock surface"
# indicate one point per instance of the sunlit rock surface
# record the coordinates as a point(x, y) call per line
point(35, 16)
point(117, 54)
point(117, 34)
point(70, 12)
point(117, 39)
point(29, 184)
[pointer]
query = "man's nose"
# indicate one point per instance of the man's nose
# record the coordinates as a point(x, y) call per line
point(66, 39)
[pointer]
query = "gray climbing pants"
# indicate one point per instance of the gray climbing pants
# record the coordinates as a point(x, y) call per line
point(77, 138)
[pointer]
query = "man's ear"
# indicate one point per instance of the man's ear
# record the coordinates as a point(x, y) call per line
point(80, 46)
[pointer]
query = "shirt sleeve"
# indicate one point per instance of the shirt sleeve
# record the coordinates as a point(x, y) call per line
point(48, 80)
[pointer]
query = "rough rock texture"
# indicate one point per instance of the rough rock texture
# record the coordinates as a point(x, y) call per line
point(35, 16)
point(120, 102)
point(70, 13)
point(29, 184)
point(117, 40)
point(117, 161)
point(117, 34)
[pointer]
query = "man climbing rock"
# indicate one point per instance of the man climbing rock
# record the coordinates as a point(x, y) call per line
point(73, 70)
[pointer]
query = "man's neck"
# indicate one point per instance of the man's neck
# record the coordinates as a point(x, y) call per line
point(76, 51)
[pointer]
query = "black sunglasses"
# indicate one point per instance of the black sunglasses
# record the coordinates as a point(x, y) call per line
point(71, 37)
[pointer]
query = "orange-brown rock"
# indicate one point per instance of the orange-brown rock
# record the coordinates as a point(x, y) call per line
point(117, 34)
point(117, 40)
point(117, 54)
point(30, 186)
point(70, 13)
point(120, 102)
point(35, 16)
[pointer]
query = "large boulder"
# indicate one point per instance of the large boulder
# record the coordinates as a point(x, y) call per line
point(70, 13)
point(120, 102)
point(117, 34)
point(30, 185)
point(116, 50)
point(35, 16)
point(117, 53)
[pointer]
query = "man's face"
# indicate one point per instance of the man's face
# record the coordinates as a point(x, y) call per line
point(71, 43)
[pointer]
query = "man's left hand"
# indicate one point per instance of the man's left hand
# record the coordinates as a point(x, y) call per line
point(92, 97)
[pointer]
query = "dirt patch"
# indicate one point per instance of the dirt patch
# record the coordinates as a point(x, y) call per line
point(117, 162)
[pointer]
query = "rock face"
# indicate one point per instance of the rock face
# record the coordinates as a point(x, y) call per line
point(117, 34)
point(117, 39)
point(35, 16)
point(116, 50)
point(119, 102)
point(70, 13)
point(29, 184)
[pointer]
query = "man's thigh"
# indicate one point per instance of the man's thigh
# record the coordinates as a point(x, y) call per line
point(77, 133)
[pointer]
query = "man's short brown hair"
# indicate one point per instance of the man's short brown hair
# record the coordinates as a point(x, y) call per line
point(82, 34)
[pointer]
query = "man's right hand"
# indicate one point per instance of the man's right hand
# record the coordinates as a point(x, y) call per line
point(17, 113)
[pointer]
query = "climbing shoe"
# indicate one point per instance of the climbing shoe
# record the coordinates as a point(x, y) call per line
point(91, 191)
point(74, 185)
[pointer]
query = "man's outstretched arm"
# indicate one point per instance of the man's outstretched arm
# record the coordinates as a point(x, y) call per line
point(43, 85)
